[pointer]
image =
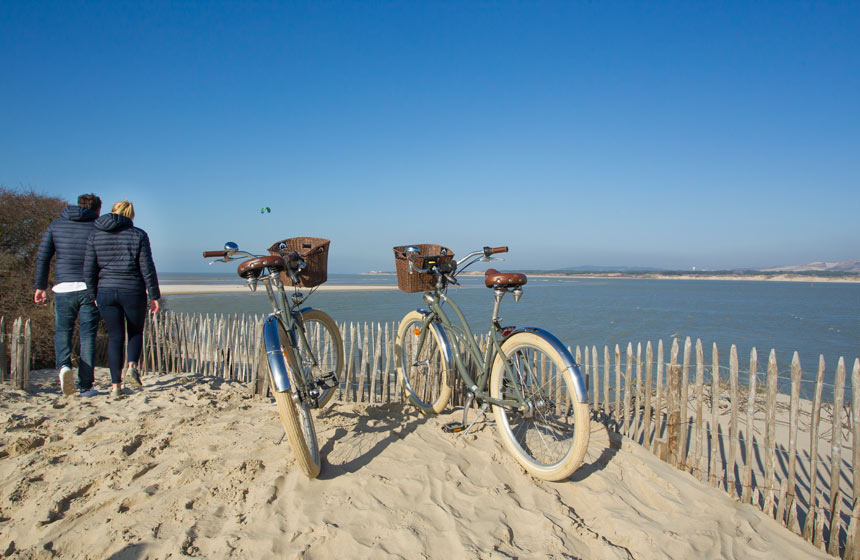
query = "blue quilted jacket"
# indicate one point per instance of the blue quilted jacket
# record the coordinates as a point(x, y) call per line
point(118, 256)
point(66, 237)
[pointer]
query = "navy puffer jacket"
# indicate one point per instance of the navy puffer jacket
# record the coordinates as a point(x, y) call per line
point(67, 238)
point(118, 256)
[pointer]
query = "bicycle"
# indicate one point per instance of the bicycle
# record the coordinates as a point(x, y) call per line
point(527, 376)
point(304, 348)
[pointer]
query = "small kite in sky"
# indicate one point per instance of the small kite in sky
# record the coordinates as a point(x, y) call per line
point(265, 210)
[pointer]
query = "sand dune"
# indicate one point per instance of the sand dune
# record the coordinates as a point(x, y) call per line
point(191, 466)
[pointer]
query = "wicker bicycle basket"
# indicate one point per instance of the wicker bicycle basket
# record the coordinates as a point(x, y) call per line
point(315, 252)
point(419, 281)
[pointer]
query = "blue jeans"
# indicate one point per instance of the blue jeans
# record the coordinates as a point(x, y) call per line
point(68, 308)
point(123, 312)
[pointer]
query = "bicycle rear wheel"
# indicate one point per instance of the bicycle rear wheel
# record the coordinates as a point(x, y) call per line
point(295, 413)
point(324, 354)
point(423, 371)
point(550, 437)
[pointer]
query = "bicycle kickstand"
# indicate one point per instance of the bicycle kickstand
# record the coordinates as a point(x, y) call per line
point(457, 427)
point(481, 412)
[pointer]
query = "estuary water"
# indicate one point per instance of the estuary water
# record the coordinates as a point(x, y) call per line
point(810, 318)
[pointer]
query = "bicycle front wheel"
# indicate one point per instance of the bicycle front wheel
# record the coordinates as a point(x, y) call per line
point(423, 371)
point(324, 353)
point(549, 434)
point(296, 414)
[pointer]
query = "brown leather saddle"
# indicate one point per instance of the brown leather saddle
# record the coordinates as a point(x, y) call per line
point(253, 267)
point(495, 279)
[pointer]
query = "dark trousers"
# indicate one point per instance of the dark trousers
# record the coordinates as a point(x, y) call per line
point(69, 307)
point(124, 313)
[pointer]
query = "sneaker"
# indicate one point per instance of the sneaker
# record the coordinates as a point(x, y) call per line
point(116, 393)
point(91, 392)
point(67, 380)
point(133, 375)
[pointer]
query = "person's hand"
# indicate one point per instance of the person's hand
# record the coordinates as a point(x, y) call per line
point(41, 297)
point(154, 305)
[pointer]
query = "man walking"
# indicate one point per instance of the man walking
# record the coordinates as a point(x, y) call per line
point(67, 238)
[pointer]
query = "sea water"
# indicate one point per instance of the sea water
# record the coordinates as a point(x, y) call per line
point(810, 318)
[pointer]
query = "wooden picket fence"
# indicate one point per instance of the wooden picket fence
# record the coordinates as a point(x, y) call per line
point(15, 348)
point(729, 427)
point(720, 424)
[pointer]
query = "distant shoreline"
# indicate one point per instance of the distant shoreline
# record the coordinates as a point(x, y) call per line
point(779, 277)
point(730, 277)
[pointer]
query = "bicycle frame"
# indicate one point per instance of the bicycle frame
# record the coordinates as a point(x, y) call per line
point(496, 335)
point(465, 339)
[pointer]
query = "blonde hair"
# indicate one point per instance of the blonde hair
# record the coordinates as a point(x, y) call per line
point(123, 208)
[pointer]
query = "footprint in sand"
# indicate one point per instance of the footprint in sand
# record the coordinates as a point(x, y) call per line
point(65, 503)
point(133, 445)
point(25, 445)
point(89, 424)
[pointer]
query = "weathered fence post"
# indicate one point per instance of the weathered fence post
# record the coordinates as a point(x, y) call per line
point(796, 375)
point(700, 391)
point(28, 346)
point(596, 376)
point(259, 376)
point(851, 546)
point(731, 480)
point(673, 406)
point(674, 422)
point(685, 423)
point(836, 459)
point(19, 371)
point(658, 415)
point(747, 481)
point(4, 372)
point(770, 435)
point(606, 363)
point(715, 409)
point(628, 377)
point(810, 527)
point(646, 429)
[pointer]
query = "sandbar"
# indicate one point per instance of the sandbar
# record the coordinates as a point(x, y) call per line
point(196, 289)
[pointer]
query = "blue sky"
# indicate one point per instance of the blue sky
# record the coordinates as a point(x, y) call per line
point(713, 135)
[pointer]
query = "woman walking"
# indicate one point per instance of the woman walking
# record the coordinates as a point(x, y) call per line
point(120, 274)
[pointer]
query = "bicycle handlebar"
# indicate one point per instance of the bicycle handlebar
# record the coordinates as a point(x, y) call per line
point(449, 275)
point(209, 254)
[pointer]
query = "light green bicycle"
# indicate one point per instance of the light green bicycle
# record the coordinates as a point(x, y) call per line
point(527, 376)
point(304, 349)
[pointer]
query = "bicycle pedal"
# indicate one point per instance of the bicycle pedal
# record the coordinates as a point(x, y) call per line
point(328, 381)
point(453, 427)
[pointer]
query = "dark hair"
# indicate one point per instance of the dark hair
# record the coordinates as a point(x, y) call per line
point(90, 201)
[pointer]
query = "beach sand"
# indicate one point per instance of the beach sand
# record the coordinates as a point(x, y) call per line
point(191, 466)
point(191, 289)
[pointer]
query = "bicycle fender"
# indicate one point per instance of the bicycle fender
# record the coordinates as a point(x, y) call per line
point(275, 354)
point(569, 363)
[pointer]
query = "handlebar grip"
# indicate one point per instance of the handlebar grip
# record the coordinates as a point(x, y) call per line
point(292, 256)
point(493, 250)
point(208, 254)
